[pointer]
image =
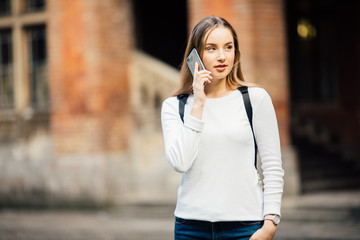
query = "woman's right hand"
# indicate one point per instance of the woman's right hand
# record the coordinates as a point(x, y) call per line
point(200, 79)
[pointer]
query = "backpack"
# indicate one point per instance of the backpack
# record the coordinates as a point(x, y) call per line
point(245, 93)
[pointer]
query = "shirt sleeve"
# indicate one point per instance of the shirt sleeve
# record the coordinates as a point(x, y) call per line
point(268, 141)
point(181, 139)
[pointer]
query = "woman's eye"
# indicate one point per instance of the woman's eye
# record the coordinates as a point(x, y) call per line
point(211, 49)
point(229, 47)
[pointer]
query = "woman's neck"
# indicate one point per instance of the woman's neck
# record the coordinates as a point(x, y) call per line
point(217, 89)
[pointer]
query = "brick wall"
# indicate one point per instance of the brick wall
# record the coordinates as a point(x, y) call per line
point(89, 47)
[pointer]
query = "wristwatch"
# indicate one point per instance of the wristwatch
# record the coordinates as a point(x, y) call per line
point(274, 218)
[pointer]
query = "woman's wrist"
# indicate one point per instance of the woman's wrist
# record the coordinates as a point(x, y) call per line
point(198, 104)
point(197, 110)
point(269, 226)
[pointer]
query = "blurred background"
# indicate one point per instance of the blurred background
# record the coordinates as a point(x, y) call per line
point(82, 83)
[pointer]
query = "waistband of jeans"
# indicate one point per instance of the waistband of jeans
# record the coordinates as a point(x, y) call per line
point(223, 223)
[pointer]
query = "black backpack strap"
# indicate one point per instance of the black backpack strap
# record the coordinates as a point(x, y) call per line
point(182, 101)
point(249, 113)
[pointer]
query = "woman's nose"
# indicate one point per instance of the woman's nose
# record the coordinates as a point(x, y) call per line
point(221, 56)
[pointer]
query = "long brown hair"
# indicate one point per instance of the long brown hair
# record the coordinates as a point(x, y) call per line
point(197, 40)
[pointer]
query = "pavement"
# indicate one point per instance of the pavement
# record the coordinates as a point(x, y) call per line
point(329, 215)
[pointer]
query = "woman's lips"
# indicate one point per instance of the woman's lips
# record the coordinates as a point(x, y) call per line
point(220, 67)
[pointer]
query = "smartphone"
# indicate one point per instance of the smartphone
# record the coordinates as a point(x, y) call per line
point(192, 59)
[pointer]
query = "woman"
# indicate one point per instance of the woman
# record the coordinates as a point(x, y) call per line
point(219, 196)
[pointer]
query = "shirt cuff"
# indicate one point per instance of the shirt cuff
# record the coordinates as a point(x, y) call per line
point(272, 209)
point(194, 123)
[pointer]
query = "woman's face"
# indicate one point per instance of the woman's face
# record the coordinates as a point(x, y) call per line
point(219, 53)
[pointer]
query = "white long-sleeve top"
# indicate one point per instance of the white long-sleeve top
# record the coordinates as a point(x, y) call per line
point(216, 156)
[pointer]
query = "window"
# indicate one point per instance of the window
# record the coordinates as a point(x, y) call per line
point(23, 55)
point(35, 5)
point(38, 67)
point(5, 8)
point(6, 79)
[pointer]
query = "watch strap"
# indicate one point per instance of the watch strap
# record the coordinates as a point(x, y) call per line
point(274, 218)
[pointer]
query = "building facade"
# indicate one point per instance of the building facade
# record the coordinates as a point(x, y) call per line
point(82, 82)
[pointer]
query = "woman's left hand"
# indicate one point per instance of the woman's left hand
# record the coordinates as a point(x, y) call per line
point(267, 232)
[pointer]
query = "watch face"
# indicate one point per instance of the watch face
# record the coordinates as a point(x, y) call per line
point(277, 219)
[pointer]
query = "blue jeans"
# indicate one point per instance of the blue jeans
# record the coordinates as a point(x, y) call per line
point(194, 229)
